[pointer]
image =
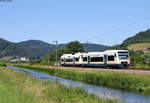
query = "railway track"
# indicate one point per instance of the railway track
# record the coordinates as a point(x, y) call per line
point(108, 68)
point(127, 70)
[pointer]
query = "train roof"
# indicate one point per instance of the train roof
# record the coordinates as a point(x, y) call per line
point(67, 55)
point(92, 53)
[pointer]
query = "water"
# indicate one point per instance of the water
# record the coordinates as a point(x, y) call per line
point(99, 91)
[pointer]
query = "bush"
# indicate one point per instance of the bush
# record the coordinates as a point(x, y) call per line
point(3, 64)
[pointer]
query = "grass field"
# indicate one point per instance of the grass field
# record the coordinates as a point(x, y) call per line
point(127, 81)
point(17, 87)
point(139, 46)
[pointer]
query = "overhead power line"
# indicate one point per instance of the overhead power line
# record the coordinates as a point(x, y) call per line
point(122, 27)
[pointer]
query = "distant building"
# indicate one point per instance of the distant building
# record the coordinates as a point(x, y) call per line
point(15, 60)
point(146, 51)
point(24, 59)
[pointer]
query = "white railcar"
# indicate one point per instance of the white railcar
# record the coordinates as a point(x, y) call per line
point(113, 58)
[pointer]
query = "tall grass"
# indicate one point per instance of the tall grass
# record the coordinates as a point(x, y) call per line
point(17, 87)
point(127, 81)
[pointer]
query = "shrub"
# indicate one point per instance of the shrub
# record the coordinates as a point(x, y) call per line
point(3, 64)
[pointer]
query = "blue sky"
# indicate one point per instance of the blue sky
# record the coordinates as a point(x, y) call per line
point(96, 21)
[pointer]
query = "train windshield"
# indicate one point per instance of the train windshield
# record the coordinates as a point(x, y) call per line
point(123, 55)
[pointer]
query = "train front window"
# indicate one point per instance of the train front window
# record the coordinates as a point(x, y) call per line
point(123, 55)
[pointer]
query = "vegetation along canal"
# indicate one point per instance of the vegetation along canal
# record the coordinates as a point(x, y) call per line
point(100, 91)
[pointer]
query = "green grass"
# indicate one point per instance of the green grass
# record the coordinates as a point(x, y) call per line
point(17, 87)
point(141, 61)
point(127, 81)
point(139, 46)
point(140, 67)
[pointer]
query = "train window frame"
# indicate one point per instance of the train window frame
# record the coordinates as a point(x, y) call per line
point(101, 59)
point(111, 58)
point(115, 55)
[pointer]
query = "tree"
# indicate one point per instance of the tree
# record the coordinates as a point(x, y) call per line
point(74, 47)
point(71, 48)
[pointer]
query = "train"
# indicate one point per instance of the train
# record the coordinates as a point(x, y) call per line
point(108, 58)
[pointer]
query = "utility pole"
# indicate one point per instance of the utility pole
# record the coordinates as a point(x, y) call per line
point(56, 55)
point(48, 60)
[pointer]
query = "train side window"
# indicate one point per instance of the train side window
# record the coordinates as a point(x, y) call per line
point(101, 59)
point(96, 59)
point(111, 58)
point(69, 60)
point(85, 59)
point(77, 59)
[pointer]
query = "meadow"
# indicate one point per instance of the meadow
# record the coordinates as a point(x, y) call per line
point(125, 81)
point(139, 46)
point(17, 87)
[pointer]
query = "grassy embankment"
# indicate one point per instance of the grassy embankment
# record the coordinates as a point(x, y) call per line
point(17, 87)
point(139, 46)
point(127, 81)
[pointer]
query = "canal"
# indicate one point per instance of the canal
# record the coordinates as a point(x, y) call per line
point(99, 91)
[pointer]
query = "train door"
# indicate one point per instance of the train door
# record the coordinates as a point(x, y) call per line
point(88, 59)
point(105, 59)
point(74, 60)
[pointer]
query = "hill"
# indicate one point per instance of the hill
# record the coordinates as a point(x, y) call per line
point(12, 49)
point(37, 44)
point(89, 47)
point(44, 47)
point(139, 46)
point(94, 47)
point(35, 49)
point(141, 37)
point(39, 47)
